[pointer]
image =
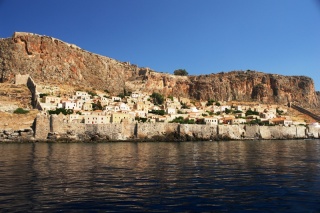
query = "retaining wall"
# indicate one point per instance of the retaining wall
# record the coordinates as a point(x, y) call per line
point(57, 126)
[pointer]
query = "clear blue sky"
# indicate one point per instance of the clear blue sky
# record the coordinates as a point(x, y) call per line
point(201, 36)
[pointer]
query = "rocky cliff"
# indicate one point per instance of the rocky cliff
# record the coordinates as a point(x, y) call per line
point(49, 60)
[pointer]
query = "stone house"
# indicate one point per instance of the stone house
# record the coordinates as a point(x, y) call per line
point(240, 115)
point(224, 107)
point(69, 105)
point(170, 110)
point(268, 115)
point(140, 106)
point(238, 121)
point(215, 109)
point(226, 119)
point(135, 95)
point(141, 114)
point(51, 99)
point(238, 108)
point(87, 106)
point(81, 94)
point(75, 118)
point(97, 119)
point(120, 117)
point(173, 104)
point(79, 104)
point(115, 99)
point(48, 106)
point(112, 108)
point(104, 101)
point(211, 120)
point(124, 107)
point(281, 121)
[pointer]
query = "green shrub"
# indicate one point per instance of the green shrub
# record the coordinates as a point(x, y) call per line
point(157, 112)
point(60, 110)
point(210, 102)
point(181, 120)
point(181, 72)
point(250, 112)
point(20, 111)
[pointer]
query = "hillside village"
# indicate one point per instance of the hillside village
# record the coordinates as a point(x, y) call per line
point(100, 108)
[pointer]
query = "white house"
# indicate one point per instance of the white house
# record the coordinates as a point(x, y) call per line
point(211, 120)
point(171, 110)
point(74, 117)
point(238, 121)
point(141, 114)
point(124, 107)
point(112, 108)
point(79, 103)
point(82, 94)
point(116, 99)
point(69, 105)
point(223, 108)
point(268, 115)
point(135, 95)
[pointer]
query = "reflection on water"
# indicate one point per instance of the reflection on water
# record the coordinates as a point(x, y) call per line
point(170, 177)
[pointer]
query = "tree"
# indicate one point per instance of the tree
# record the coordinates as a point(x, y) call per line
point(181, 72)
point(157, 98)
point(97, 106)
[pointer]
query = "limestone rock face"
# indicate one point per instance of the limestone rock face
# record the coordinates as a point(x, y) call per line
point(49, 60)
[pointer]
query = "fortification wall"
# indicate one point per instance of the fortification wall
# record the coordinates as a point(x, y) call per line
point(108, 131)
point(313, 131)
point(33, 89)
point(234, 132)
point(195, 132)
point(21, 79)
point(155, 130)
point(42, 127)
point(57, 126)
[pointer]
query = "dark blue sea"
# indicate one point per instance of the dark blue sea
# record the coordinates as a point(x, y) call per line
point(228, 176)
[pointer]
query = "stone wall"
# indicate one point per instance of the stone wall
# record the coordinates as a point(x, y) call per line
point(42, 127)
point(16, 135)
point(198, 132)
point(32, 86)
point(57, 127)
point(21, 79)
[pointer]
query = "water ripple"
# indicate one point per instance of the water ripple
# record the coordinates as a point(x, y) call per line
point(161, 177)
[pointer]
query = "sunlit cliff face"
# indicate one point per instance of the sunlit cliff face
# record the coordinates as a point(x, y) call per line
point(49, 60)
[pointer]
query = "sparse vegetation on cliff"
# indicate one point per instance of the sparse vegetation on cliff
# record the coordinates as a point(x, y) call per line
point(181, 72)
point(20, 111)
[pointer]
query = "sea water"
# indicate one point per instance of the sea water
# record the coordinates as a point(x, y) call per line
point(232, 176)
